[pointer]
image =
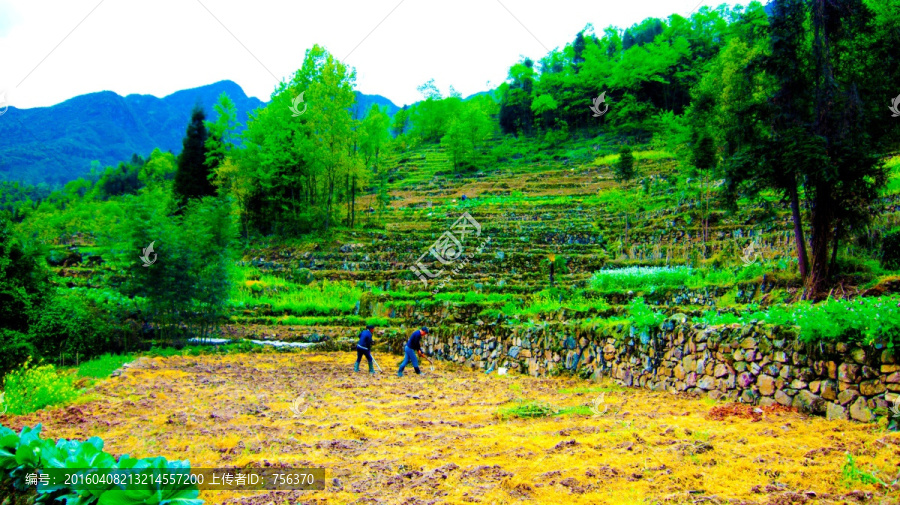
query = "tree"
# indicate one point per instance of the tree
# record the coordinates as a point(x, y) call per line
point(24, 288)
point(624, 170)
point(818, 129)
point(192, 180)
point(400, 122)
point(221, 132)
point(704, 160)
point(374, 134)
point(160, 168)
point(188, 286)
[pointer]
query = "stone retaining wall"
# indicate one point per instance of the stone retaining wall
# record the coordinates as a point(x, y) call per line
point(757, 364)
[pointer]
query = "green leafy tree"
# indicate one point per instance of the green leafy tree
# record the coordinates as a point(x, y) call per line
point(188, 285)
point(221, 132)
point(24, 289)
point(819, 130)
point(159, 169)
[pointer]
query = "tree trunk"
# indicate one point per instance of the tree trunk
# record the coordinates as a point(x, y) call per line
point(799, 241)
point(838, 231)
point(822, 217)
point(353, 202)
point(328, 202)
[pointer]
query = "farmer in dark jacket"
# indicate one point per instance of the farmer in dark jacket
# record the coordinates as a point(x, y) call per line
point(364, 348)
point(413, 347)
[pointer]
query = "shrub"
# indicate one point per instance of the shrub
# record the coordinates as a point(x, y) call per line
point(32, 388)
point(890, 251)
point(23, 280)
point(65, 328)
point(15, 349)
point(642, 317)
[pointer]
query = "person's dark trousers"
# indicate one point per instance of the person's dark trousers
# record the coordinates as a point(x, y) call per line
point(409, 358)
point(360, 352)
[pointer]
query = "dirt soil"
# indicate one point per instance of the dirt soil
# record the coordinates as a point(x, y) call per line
point(437, 438)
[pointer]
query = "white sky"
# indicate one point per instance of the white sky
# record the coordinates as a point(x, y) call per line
point(160, 46)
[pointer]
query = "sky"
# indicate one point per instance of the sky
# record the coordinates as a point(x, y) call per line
point(52, 50)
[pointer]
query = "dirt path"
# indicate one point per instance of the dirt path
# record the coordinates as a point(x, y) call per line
point(437, 438)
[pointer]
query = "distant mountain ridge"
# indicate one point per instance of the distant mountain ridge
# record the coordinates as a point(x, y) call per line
point(57, 144)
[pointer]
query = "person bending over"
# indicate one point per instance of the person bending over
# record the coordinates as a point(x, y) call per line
point(413, 347)
point(364, 348)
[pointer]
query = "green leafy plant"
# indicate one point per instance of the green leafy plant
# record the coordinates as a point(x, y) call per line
point(528, 410)
point(26, 453)
point(851, 474)
point(642, 317)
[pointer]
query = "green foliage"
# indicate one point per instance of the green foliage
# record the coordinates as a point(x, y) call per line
point(642, 317)
point(852, 474)
point(187, 288)
point(102, 366)
point(15, 349)
point(890, 250)
point(66, 328)
point(528, 410)
point(624, 170)
point(323, 298)
point(23, 280)
point(865, 320)
point(192, 180)
point(631, 278)
point(26, 453)
point(32, 388)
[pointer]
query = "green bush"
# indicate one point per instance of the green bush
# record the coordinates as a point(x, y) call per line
point(642, 317)
point(65, 328)
point(23, 280)
point(15, 349)
point(32, 388)
point(890, 251)
point(528, 410)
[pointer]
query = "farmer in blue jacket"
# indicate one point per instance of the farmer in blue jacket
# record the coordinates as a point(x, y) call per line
point(364, 348)
point(413, 347)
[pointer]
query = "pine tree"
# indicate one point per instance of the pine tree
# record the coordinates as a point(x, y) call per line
point(192, 180)
point(624, 170)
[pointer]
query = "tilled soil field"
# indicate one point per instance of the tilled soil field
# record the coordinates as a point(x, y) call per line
point(438, 438)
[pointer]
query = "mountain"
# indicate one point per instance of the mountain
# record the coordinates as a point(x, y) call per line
point(57, 144)
point(364, 103)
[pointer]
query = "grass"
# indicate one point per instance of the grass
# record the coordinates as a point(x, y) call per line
point(592, 389)
point(324, 298)
point(104, 365)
